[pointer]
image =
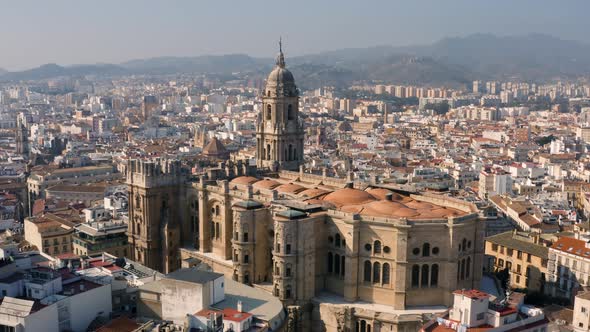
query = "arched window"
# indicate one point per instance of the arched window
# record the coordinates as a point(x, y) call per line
point(468, 267)
point(377, 247)
point(290, 155)
point(386, 272)
point(464, 246)
point(217, 232)
point(424, 277)
point(462, 269)
point(434, 275)
point(363, 326)
point(376, 272)
point(330, 262)
point(295, 153)
point(367, 271)
point(216, 210)
point(268, 152)
point(268, 112)
point(426, 249)
point(268, 93)
point(337, 264)
point(415, 276)
point(288, 292)
point(337, 240)
point(290, 112)
point(342, 264)
point(458, 271)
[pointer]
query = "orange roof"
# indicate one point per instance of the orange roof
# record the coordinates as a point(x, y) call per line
point(473, 294)
point(349, 196)
point(572, 246)
point(228, 314)
point(266, 184)
point(290, 188)
point(244, 180)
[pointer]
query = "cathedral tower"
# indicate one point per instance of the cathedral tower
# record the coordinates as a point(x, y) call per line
point(154, 231)
point(279, 131)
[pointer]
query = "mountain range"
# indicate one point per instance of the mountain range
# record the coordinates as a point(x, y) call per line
point(450, 61)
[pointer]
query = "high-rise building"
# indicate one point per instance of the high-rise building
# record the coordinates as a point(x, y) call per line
point(476, 86)
point(279, 132)
point(148, 106)
point(22, 136)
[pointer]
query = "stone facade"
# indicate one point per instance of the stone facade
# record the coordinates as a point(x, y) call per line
point(301, 236)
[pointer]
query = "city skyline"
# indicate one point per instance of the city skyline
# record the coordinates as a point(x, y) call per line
point(70, 33)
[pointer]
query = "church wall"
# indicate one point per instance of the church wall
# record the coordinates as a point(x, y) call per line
point(428, 249)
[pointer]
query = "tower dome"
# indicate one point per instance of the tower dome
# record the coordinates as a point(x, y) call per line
point(280, 82)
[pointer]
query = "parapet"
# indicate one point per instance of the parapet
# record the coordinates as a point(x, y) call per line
point(154, 173)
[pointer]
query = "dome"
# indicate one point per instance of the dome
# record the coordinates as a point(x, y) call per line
point(290, 188)
point(386, 208)
point(349, 196)
point(280, 75)
point(381, 193)
point(280, 82)
point(312, 192)
point(244, 180)
point(266, 184)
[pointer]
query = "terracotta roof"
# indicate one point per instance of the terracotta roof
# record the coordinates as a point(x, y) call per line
point(228, 314)
point(244, 180)
point(266, 184)
point(215, 148)
point(349, 196)
point(290, 188)
point(572, 246)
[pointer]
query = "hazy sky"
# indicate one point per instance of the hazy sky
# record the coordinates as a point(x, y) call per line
point(70, 32)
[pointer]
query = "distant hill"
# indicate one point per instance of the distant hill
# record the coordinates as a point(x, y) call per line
point(450, 61)
point(52, 71)
point(217, 64)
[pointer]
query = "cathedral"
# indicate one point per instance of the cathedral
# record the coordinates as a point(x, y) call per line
point(342, 255)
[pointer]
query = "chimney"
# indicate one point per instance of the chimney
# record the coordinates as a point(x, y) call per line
point(240, 306)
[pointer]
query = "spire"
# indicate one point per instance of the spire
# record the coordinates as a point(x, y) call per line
point(281, 57)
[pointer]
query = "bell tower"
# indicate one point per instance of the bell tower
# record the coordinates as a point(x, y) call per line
point(279, 131)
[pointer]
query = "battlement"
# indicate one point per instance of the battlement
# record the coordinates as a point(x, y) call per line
point(154, 173)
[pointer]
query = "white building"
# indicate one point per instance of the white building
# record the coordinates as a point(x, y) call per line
point(475, 310)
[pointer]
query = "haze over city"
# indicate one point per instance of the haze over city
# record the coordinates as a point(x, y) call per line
point(79, 32)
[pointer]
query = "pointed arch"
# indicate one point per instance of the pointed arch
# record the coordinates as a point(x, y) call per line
point(386, 274)
point(376, 272)
point(367, 274)
point(376, 247)
point(434, 275)
point(415, 276)
point(424, 276)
